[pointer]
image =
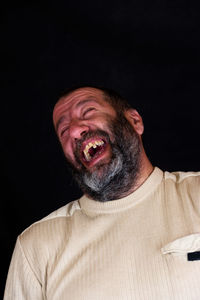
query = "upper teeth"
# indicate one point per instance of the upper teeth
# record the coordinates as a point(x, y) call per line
point(89, 145)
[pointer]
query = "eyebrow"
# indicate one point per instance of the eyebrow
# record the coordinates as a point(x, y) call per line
point(81, 103)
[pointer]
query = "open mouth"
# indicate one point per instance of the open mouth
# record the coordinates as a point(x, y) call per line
point(93, 149)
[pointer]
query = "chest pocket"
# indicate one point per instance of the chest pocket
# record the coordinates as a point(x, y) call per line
point(187, 247)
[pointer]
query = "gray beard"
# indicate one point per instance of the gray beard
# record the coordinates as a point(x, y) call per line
point(92, 180)
point(112, 180)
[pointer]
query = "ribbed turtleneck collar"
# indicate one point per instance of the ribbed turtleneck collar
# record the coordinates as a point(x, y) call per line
point(89, 205)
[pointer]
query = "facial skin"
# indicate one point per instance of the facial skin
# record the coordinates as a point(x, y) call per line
point(78, 113)
point(103, 147)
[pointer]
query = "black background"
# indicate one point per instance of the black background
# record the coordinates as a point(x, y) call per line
point(147, 51)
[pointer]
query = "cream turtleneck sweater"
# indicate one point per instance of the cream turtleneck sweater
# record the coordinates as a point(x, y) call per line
point(132, 248)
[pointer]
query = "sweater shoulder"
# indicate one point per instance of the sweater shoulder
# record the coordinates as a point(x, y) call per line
point(183, 177)
point(186, 184)
point(50, 229)
point(43, 241)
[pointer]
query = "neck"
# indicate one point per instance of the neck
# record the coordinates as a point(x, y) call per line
point(145, 171)
point(145, 168)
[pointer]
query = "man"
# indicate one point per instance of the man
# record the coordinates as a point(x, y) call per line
point(135, 233)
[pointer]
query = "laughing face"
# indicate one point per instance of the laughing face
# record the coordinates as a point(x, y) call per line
point(101, 147)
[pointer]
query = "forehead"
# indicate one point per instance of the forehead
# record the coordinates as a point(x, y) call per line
point(78, 98)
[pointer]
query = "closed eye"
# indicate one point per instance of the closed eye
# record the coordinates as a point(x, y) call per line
point(87, 111)
point(63, 131)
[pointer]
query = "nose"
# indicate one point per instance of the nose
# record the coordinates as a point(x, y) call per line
point(77, 130)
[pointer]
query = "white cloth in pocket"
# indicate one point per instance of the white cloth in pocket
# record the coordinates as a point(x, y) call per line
point(182, 246)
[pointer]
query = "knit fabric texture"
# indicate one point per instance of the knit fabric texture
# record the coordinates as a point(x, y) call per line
point(132, 248)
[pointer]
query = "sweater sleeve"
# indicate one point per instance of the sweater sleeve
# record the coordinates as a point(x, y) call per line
point(22, 282)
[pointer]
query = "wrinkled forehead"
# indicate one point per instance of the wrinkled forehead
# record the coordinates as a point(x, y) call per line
point(71, 101)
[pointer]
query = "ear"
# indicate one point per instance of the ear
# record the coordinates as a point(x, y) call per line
point(135, 119)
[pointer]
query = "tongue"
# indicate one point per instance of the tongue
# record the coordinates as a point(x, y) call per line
point(92, 151)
